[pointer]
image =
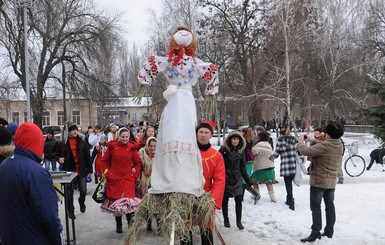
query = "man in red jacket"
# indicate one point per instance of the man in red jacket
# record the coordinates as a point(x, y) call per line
point(213, 172)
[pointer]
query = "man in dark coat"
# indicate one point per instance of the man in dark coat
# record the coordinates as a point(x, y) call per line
point(28, 203)
point(74, 155)
point(6, 147)
point(376, 155)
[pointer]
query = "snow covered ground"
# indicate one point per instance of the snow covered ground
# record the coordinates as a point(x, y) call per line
point(360, 208)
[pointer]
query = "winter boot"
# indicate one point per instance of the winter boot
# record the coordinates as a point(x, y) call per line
point(287, 201)
point(272, 196)
point(257, 197)
point(238, 214)
point(207, 237)
point(149, 223)
point(71, 212)
point(291, 204)
point(225, 216)
point(129, 216)
point(118, 220)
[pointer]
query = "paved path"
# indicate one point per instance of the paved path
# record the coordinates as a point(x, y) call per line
point(96, 227)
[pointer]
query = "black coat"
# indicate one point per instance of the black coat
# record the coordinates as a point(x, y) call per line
point(83, 151)
point(50, 149)
point(235, 165)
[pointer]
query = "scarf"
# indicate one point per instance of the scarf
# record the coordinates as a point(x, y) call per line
point(204, 147)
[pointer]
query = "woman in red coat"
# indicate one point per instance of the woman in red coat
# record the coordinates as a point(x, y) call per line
point(124, 166)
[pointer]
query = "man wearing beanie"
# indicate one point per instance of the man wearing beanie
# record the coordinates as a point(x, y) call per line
point(6, 148)
point(28, 203)
point(74, 155)
point(3, 122)
point(326, 160)
point(12, 127)
point(213, 172)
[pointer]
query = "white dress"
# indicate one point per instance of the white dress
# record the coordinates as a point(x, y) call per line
point(177, 165)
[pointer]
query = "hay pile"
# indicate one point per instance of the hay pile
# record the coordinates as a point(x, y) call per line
point(187, 210)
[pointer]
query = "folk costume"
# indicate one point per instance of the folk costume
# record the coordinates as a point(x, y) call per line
point(177, 176)
point(147, 158)
point(124, 166)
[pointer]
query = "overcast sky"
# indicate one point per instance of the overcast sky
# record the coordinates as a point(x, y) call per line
point(136, 16)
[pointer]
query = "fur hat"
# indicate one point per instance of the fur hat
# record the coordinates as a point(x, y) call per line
point(12, 127)
point(334, 130)
point(5, 136)
point(206, 124)
point(71, 126)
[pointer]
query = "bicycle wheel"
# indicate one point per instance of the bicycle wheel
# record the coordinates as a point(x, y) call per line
point(355, 165)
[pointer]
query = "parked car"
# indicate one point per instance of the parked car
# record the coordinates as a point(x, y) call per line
point(240, 128)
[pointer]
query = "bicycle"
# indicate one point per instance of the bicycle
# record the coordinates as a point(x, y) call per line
point(354, 164)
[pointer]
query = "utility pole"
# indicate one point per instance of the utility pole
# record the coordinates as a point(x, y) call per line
point(25, 4)
point(64, 92)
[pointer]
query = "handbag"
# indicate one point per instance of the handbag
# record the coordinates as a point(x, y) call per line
point(299, 169)
point(100, 192)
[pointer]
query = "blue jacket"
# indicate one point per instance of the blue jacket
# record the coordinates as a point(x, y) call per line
point(28, 203)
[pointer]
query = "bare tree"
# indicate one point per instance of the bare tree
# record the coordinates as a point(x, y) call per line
point(58, 32)
point(340, 57)
point(234, 30)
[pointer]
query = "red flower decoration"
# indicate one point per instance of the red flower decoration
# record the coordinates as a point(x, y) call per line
point(213, 67)
point(208, 76)
point(151, 58)
point(154, 68)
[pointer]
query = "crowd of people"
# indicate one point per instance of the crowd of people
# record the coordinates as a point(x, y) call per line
point(124, 156)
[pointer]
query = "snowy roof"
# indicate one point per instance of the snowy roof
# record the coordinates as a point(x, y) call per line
point(129, 102)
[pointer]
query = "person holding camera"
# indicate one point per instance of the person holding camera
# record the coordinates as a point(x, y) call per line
point(326, 160)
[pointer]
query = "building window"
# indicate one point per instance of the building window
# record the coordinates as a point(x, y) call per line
point(45, 118)
point(133, 117)
point(76, 117)
point(60, 118)
point(15, 117)
point(25, 116)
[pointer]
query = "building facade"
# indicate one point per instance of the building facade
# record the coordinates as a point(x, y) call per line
point(84, 112)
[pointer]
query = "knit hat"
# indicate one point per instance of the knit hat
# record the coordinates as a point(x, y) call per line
point(334, 130)
point(50, 132)
point(30, 137)
point(5, 136)
point(3, 122)
point(206, 124)
point(12, 127)
point(71, 126)
point(104, 137)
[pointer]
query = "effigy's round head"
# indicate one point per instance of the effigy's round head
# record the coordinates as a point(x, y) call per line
point(183, 37)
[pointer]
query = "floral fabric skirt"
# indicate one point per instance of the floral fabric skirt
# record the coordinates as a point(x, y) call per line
point(120, 206)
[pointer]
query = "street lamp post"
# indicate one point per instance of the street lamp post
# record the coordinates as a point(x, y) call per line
point(25, 4)
point(64, 92)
